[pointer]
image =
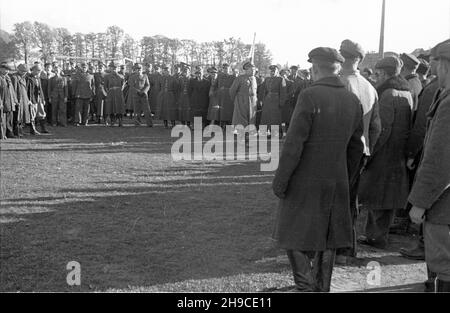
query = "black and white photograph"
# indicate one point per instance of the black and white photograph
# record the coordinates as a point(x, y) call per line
point(228, 153)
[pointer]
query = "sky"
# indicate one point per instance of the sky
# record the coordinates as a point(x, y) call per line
point(289, 28)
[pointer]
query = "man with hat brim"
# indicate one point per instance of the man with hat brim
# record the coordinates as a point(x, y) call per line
point(23, 112)
point(167, 98)
point(183, 100)
point(199, 99)
point(70, 73)
point(423, 71)
point(243, 92)
point(222, 87)
point(410, 65)
point(58, 94)
point(384, 185)
point(213, 108)
point(313, 218)
point(8, 103)
point(155, 80)
point(430, 196)
point(138, 96)
point(83, 87)
point(100, 92)
point(114, 107)
point(366, 93)
point(274, 98)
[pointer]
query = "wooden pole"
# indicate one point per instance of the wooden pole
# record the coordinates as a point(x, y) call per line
point(381, 51)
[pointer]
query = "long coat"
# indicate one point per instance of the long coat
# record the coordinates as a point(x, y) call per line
point(320, 156)
point(36, 97)
point(183, 102)
point(155, 81)
point(114, 102)
point(274, 90)
point(200, 98)
point(431, 189)
point(21, 94)
point(167, 99)
point(384, 182)
point(243, 92)
point(214, 107)
point(222, 86)
point(137, 92)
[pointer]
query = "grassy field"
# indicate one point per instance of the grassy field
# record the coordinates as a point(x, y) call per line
point(113, 200)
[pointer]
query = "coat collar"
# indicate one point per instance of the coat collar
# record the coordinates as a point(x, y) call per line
point(395, 82)
point(331, 81)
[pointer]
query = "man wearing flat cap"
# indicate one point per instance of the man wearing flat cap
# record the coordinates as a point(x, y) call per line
point(137, 99)
point(430, 194)
point(366, 93)
point(384, 184)
point(410, 65)
point(222, 85)
point(243, 92)
point(314, 216)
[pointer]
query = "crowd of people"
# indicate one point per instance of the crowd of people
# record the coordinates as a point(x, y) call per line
point(92, 93)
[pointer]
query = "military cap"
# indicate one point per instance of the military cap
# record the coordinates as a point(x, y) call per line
point(137, 66)
point(409, 59)
point(294, 67)
point(443, 51)
point(6, 65)
point(325, 55)
point(283, 71)
point(433, 51)
point(423, 67)
point(273, 67)
point(112, 64)
point(248, 65)
point(390, 62)
point(23, 68)
point(351, 49)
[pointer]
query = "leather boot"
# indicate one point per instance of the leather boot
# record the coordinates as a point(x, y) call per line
point(33, 130)
point(442, 286)
point(323, 269)
point(120, 121)
point(301, 268)
point(43, 127)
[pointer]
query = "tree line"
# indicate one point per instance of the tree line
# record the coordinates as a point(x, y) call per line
point(39, 41)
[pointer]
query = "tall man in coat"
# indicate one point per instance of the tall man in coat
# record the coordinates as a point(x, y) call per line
point(58, 92)
point(384, 183)
point(9, 101)
point(138, 95)
point(366, 93)
point(408, 72)
point(430, 194)
point(320, 156)
point(83, 87)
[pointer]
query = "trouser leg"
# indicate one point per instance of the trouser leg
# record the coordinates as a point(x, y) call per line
point(86, 103)
point(54, 112)
point(302, 271)
point(147, 113)
point(323, 269)
point(378, 223)
point(100, 108)
point(2, 124)
point(9, 124)
point(78, 110)
point(62, 112)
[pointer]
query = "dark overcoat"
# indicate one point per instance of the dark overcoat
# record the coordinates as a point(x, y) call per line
point(167, 98)
point(321, 154)
point(200, 98)
point(114, 102)
point(222, 87)
point(274, 90)
point(384, 182)
point(431, 189)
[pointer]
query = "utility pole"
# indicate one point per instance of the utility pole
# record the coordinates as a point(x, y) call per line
point(381, 51)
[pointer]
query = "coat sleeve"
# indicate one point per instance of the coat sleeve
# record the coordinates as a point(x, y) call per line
point(433, 175)
point(387, 114)
point(298, 134)
point(374, 125)
point(417, 136)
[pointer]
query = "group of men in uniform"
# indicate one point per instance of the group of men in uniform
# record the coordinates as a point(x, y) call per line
point(382, 148)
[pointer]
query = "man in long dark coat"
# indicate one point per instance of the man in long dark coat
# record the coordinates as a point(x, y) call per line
point(384, 184)
point(199, 98)
point(430, 194)
point(9, 102)
point(320, 156)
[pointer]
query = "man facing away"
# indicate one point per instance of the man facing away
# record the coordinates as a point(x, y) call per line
point(320, 156)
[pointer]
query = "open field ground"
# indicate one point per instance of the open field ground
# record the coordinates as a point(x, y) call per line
point(113, 200)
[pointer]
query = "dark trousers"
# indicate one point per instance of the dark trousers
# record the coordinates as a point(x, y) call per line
point(312, 270)
point(2, 124)
point(59, 111)
point(378, 224)
point(82, 110)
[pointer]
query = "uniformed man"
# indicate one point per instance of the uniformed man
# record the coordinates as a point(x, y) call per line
point(36, 97)
point(100, 92)
point(167, 98)
point(84, 90)
point(46, 74)
point(430, 194)
point(297, 84)
point(58, 92)
point(199, 95)
point(114, 107)
point(138, 95)
point(184, 94)
point(70, 73)
point(9, 102)
point(222, 86)
point(22, 114)
point(314, 216)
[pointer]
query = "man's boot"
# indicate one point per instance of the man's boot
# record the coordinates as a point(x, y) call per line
point(43, 127)
point(416, 253)
point(120, 121)
point(323, 269)
point(442, 286)
point(33, 130)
